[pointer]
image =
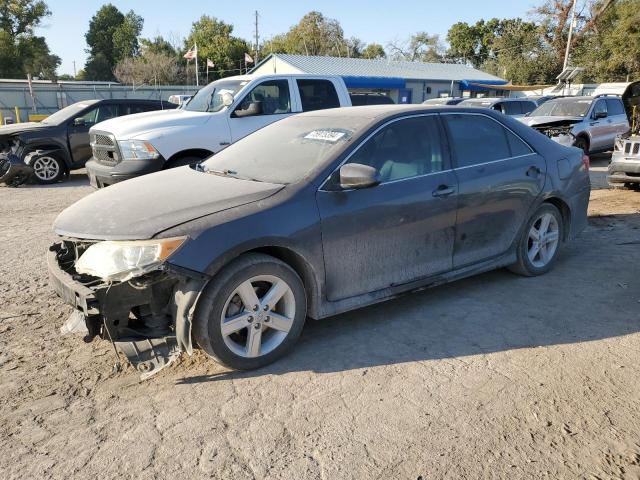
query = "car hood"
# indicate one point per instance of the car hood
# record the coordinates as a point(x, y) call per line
point(142, 207)
point(131, 126)
point(21, 128)
point(550, 121)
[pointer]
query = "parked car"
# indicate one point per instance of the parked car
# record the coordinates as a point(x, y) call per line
point(513, 107)
point(589, 123)
point(624, 169)
point(314, 215)
point(443, 101)
point(360, 99)
point(60, 143)
point(218, 115)
point(540, 99)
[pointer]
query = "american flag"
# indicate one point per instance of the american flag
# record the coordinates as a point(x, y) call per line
point(210, 63)
point(191, 53)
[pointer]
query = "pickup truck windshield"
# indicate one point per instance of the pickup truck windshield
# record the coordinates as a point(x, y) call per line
point(66, 113)
point(562, 108)
point(286, 151)
point(209, 98)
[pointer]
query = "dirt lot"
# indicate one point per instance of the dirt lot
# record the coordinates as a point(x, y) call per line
point(496, 376)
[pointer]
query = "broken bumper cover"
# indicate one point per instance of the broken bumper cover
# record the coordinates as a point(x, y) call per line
point(147, 318)
point(13, 170)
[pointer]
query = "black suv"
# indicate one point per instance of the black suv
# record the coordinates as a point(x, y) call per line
point(60, 142)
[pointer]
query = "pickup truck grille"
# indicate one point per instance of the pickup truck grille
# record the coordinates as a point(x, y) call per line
point(104, 148)
point(631, 147)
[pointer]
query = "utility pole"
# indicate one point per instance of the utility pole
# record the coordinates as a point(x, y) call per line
point(74, 69)
point(573, 20)
point(257, 40)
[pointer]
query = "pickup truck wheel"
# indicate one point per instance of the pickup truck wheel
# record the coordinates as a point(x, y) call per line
point(540, 242)
point(251, 313)
point(181, 162)
point(48, 169)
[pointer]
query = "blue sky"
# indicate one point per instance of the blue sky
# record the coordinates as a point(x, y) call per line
point(369, 20)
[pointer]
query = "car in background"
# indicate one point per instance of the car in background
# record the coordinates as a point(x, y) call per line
point(589, 123)
point(60, 142)
point(311, 216)
point(218, 115)
point(443, 101)
point(540, 99)
point(361, 99)
point(513, 107)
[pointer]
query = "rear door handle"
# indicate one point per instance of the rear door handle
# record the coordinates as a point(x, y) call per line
point(533, 171)
point(443, 191)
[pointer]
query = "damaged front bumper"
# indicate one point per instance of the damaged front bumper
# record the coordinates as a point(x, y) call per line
point(13, 170)
point(147, 318)
point(625, 161)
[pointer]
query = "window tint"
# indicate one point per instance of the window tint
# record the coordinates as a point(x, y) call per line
point(601, 106)
point(614, 106)
point(317, 95)
point(272, 96)
point(517, 146)
point(476, 139)
point(511, 108)
point(528, 106)
point(100, 114)
point(137, 108)
point(403, 149)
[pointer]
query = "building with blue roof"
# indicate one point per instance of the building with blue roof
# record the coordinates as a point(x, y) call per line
point(404, 82)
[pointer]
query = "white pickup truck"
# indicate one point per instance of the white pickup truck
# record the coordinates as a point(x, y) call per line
point(219, 114)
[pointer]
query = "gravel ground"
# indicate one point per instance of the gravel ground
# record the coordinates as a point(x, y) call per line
point(496, 376)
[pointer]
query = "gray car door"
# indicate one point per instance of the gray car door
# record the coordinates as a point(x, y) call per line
point(599, 127)
point(499, 177)
point(617, 117)
point(400, 230)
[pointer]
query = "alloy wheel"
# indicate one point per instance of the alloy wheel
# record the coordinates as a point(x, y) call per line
point(544, 237)
point(46, 168)
point(258, 316)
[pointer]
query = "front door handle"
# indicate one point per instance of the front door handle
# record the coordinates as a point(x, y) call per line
point(533, 171)
point(224, 144)
point(443, 191)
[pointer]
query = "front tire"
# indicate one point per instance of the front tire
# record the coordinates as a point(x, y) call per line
point(251, 313)
point(48, 169)
point(540, 242)
point(582, 144)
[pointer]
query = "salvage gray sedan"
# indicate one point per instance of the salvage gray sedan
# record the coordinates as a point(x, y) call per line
point(317, 214)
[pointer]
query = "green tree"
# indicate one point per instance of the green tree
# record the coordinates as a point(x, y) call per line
point(216, 42)
point(112, 36)
point(314, 34)
point(158, 45)
point(374, 50)
point(21, 52)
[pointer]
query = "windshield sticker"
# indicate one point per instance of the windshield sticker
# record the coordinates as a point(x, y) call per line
point(331, 136)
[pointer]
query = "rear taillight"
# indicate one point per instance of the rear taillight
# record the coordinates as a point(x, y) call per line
point(585, 160)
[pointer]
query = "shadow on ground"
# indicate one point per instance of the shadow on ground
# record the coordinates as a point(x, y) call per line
point(493, 312)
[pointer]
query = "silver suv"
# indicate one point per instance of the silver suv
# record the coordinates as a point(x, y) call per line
point(590, 123)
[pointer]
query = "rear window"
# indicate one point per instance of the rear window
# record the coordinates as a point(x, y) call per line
point(511, 108)
point(476, 139)
point(317, 95)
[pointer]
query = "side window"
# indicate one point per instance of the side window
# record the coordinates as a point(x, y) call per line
point(135, 108)
point(106, 111)
point(269, 98)
point(614, 106)
point(528, 107)
point(600, 108)
point(517, 146)
point(512, 108)
point(403, 149)
point(317, 94)
point(88, 118)
point(476, 139)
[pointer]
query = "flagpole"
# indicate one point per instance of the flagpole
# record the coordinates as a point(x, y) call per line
point(197, 82)
point(207, 71)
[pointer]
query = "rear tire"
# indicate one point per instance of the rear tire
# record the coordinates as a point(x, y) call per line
point(251, 313)
point(540, 242)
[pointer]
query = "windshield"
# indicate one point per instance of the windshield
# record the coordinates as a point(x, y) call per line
point(286, 151)
point(66, 113)
point(209, 98)
point(562, 108)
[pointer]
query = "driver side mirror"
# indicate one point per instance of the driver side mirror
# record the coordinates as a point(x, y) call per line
point(356, 176)
point(79, 122)
point(598, 115)
point(254, 108)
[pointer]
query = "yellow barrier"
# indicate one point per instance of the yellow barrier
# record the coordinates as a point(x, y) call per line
point(17, 114)
point(37, 117)
point(1, 119)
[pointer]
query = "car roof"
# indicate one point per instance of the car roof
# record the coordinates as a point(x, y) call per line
point(380, 112)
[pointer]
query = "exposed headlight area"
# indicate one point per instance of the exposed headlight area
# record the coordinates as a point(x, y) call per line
point(123, 260)
point(137, 150)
